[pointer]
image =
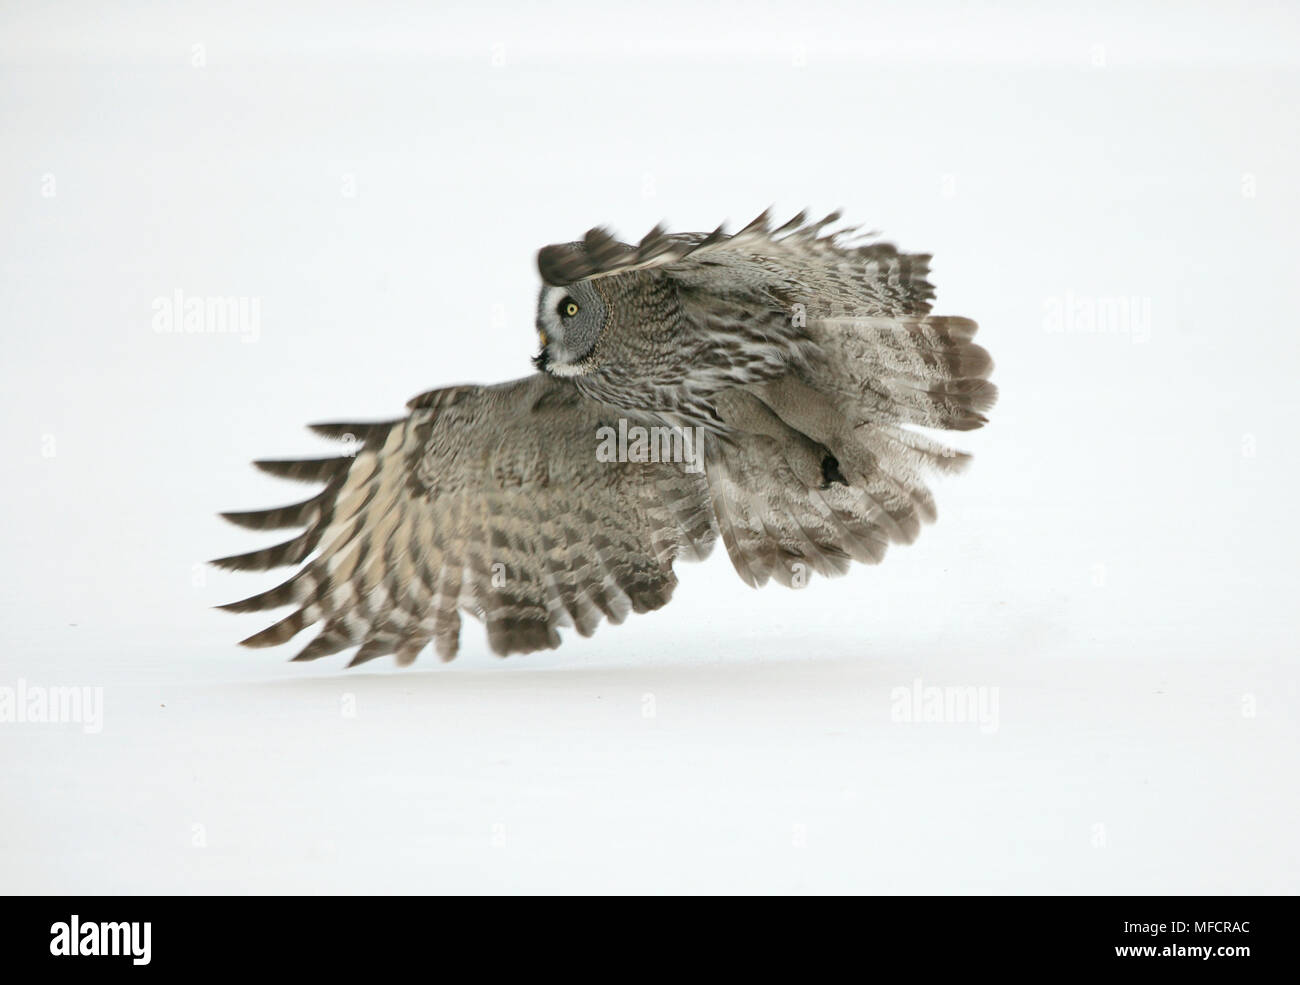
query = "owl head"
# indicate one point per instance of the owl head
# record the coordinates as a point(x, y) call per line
point(600, 295)
point(570, 319)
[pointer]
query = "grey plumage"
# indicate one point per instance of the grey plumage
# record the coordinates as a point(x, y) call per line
point(804, 357)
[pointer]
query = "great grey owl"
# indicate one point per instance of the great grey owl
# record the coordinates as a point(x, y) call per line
point(763, 386)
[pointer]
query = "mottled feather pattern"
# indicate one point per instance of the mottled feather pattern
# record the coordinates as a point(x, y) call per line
point(805, 354)
point(694, 315)
point(441, 513)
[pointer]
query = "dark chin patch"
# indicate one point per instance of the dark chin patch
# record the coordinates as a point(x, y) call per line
point(542, 360)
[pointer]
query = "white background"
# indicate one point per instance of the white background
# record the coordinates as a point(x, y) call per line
point(1119, 563)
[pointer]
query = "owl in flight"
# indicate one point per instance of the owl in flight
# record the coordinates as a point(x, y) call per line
point(764, 387)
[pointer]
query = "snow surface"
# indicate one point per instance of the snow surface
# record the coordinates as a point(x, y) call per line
point(1117, 569)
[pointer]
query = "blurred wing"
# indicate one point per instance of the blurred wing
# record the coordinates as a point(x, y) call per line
point(487, 500)
point(819, 356)
point(841, 362)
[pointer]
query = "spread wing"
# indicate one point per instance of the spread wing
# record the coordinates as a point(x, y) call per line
point(487, 500)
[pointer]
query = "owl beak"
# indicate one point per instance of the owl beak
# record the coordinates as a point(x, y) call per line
point(541, 334)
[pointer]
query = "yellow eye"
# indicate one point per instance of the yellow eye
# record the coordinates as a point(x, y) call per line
point(568, 307)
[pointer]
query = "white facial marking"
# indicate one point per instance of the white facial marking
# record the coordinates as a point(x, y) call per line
point(549, 317)
point(552, 325)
